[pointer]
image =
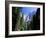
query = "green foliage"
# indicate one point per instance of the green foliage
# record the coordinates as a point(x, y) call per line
point(18, 22)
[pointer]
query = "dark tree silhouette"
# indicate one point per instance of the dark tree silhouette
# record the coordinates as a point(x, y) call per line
point(36, 20)
point(15, 15)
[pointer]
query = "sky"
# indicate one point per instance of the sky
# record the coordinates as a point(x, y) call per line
point(28, 11)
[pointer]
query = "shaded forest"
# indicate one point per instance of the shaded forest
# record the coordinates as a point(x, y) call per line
point(18, 23)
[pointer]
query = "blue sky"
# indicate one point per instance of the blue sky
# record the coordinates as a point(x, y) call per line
point(27, 10)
